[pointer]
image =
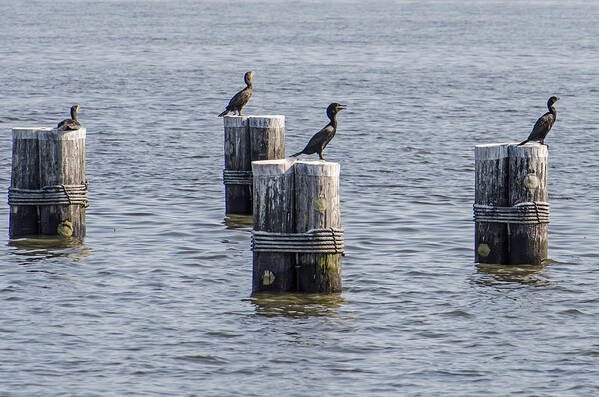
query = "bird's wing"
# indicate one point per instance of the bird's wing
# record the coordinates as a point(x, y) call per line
point(69, 125)
point(239, 99)
point(64, 123)
point(234, 99)
point(541, 127)
point(320, 139)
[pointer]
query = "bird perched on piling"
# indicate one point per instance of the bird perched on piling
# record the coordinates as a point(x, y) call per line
point(321, 139)
point(544, 123)
point(72, 123)
point(240, 99)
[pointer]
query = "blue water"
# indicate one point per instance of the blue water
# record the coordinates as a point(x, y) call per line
point(157, 299)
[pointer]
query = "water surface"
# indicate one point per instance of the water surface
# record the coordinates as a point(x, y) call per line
point(157, 299)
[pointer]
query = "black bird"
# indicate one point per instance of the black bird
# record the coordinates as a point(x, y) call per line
point(544, 123)
point(72, 123)
point(241, 98)
point(321, 139)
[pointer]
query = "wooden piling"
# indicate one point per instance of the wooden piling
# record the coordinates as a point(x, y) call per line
point(528, 183)
point(267, 135)
point(317, 207)
point(48, 192)
point(248, 138)
point(237, 158)
point(273, 197)
point(511, 209)
point(491, 188)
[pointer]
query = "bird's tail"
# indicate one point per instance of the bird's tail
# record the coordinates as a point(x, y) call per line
point(297, 154)
point(522, 143)
point(224, 113)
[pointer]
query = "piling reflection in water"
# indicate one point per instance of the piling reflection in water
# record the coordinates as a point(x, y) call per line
point(238, 221)
point(296, 305)
point(491, 275)
point(35, 249)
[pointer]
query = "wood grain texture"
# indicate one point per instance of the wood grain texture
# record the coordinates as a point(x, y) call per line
point(317, 207)
point(507, 175)
point(250, 138)
point(44, 157)
point(491, 188)
point(25, 175)
point(267, 134)
point(273, 197)
point(238, 198)
point(528, 182)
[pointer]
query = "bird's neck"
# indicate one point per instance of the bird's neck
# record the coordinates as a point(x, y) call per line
point(73, 114)
point(249, 85)
point(552, 111)
point(333, 121)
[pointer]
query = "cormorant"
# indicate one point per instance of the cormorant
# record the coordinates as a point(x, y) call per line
point(544, 123)
point(321, 139)
point(241, 98)
point(72, 123)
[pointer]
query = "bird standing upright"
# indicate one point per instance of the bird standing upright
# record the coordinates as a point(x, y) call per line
point(72, 123)
point(321, 139)
point(240, 99)
point(544, 123)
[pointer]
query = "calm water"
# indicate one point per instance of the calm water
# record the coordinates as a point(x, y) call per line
point(156, 299)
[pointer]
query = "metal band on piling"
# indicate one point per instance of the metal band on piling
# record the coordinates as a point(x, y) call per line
point(234, 177)
point(522, 213)
point(49, 195)
point(321, 241)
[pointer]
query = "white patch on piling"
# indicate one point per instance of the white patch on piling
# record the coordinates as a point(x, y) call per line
point(268, 277)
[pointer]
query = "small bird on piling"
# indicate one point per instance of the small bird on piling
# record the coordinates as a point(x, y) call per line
point(72, 123)
point(321, 139)
point(241, 98)
point(544, 123)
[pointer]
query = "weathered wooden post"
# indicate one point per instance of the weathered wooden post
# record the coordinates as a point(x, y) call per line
point(48, 192)
point(528, 191)
point(248, 138)
point(297, 238)
point(267, 137)
point(511, 209)
point(491, 191)
point(317, 209)
point(237, 175)
point(273, 213)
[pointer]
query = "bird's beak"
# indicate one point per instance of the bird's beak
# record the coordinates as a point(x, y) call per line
point(557, 99)
point(341, 107)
